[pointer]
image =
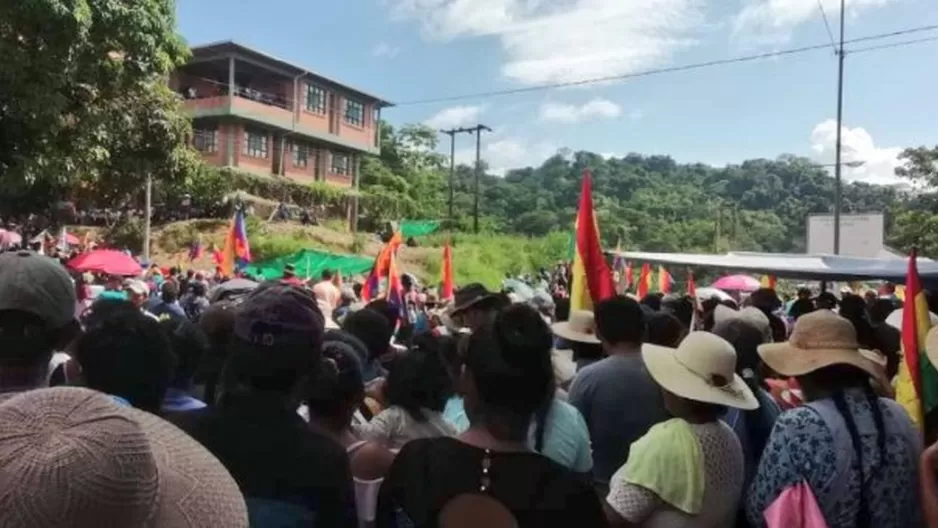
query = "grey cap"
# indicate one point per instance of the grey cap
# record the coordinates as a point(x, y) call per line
point(36, 284)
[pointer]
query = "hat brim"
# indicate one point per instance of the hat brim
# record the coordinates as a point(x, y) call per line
point(562, 329)
point(489, 298)
point(674, 377)
point(788, 360)
point(195, 489)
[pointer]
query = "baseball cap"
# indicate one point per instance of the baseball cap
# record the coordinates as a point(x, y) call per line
point(278, 331)
point(137, 287)
point(277, 314)
point(36, 284)
point(83, 460)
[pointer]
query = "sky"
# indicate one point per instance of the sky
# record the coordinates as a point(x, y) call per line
point(411, 51)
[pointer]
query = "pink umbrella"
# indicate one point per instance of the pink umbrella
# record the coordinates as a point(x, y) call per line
point(106, 261)
point(9, 238)
point(736, 283)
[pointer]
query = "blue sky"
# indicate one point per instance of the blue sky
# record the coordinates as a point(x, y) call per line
point(409, 50)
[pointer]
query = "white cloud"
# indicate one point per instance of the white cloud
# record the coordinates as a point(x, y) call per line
point(455, 116)
point(568, 113)
point(857, 145)
point(506, 153)
point(546, 41)
point(383, 49)
point(770, 22)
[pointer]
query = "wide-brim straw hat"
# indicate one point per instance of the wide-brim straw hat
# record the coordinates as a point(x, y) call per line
point(579, 327)
point(78, 457)
point(702, 368)
point(820, 339)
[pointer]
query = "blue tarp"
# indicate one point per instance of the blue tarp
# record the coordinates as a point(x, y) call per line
point(793, 266)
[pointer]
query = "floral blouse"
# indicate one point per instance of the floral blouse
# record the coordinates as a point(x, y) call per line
point(802, 446)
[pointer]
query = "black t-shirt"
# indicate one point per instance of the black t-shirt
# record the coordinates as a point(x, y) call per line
point(287, 473)
point(428, 473)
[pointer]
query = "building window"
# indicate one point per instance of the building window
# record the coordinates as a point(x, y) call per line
point(300, 155)
point(354, 113)
point(314, 99)
point(255, 144)
point(340, 164)
point(205, 140)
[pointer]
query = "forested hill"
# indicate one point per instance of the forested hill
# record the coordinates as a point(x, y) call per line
point(651, 202)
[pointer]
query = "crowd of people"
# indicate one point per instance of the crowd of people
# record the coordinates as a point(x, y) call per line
point(169, 399)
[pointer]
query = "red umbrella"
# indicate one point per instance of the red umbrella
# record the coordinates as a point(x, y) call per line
point(106, 261)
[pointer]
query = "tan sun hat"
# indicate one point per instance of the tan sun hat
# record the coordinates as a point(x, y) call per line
point(580, 327)
point(820, 339)
point(702, 368)
point(76, 457)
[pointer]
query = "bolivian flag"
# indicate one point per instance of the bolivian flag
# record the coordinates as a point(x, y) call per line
point(644, 281)
point(592, 279)
point(768, 281)
point(917, 387)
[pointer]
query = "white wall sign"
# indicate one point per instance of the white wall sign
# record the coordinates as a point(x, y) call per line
point(861, 235)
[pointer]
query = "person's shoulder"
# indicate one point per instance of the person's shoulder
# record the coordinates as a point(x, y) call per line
point(799, 421)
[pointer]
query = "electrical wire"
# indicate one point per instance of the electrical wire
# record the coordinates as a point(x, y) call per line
point(668, 69)
point(650, 72)
point(820, 6)
point(893, 44)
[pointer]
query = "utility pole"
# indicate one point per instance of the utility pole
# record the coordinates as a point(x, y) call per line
point(148, 199)
point(840, 110)
point(452, 160)
point(478, 129)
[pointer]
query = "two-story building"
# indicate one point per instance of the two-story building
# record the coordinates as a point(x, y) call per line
point(260, 114)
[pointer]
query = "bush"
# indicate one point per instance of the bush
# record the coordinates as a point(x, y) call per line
point(126, 234)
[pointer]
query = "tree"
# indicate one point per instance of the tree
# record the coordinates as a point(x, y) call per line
point(920, 165)
point(82, 94)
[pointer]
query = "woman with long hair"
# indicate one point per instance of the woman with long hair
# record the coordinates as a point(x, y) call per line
point(856, 452)
point(488, 475)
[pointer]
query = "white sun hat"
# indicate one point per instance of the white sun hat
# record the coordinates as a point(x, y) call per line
point(895, 319)
point(702, 368)
point(579, 327)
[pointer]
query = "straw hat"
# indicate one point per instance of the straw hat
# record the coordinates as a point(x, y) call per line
point(820, 339)
point(580, 327)
point(80, 457)
point(701, 368)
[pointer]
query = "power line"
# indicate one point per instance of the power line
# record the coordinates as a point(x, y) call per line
point(820, 6)
point(668, 69)
point(894, 44)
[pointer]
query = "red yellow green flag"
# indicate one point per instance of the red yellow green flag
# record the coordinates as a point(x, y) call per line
point(644, 281)
point(917, 386)
point(767, 281)
point(592, 279)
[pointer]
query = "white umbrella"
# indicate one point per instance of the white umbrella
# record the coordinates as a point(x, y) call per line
point(705, 293)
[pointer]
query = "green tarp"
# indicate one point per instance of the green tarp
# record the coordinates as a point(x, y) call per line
point(311, 263)
point(416, 228)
